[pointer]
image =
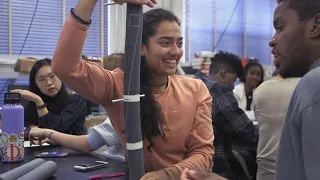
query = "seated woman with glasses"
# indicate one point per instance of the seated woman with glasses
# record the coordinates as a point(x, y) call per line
point(51, 105)
point(102, 134)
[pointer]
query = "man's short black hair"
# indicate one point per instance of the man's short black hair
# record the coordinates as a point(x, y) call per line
point(226, 61)
point(306, 9)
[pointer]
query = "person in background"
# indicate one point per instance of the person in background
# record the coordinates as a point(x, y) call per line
point(102, 134)
point(175, 112)
point(254, 76)
point(295, 46)
point(230, 123)
point(270, 103)
point(51, 105)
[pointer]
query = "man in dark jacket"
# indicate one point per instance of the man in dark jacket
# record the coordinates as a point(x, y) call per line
point(230, 123)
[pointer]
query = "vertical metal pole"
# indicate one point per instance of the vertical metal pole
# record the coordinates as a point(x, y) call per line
point(245, 3)
point(132, 63)
point(215, 26)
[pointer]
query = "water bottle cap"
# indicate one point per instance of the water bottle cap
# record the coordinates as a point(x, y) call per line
point(12, 98)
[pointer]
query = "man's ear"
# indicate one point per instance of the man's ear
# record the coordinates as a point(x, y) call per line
point(143, 50)
point(315, 27)
point(222, 73)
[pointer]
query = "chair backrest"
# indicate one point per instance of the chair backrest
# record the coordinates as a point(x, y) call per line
point(242, 163)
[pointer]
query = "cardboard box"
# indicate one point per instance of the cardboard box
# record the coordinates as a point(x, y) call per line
point(95, 59)
point(94, 120)
point(24, 64)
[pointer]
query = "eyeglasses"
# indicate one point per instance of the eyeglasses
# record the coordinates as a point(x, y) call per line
point(44, 79)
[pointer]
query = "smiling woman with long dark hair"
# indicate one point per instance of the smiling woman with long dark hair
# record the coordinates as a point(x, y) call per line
point(175, 113)
point(50, 104)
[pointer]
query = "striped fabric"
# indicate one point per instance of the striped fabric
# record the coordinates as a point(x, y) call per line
point(104, 134)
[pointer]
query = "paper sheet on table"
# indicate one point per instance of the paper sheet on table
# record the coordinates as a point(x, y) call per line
point(27, 144)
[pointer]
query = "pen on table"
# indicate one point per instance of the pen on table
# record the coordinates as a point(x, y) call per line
point(102, 176)
point(102, 162)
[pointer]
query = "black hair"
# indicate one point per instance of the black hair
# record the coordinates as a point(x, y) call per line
point(54, 104)
point(152, 118)
point(248, 67)
point(227, 61)
point(306, 9)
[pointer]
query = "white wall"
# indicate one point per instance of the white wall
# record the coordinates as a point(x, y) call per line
point(117, 22)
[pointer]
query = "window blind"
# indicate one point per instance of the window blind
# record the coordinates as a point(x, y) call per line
point(93, 42)
point(259, 30)
point(45, 28)
point(251, 19)
point(201, 20)
point(4, 30)
point(232, 40)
